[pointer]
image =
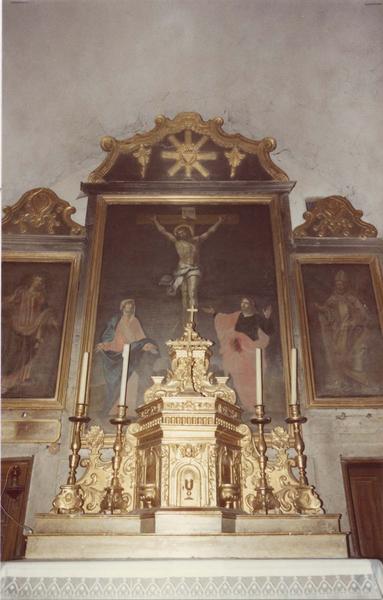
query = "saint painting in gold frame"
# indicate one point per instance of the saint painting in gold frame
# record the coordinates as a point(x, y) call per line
point(341, 313)
point(38, 311)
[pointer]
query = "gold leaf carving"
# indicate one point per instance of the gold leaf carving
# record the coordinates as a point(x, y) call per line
point(235, 157)
point(41, 211)
point(143, 156)
point(292, 497)
point(334, 216)
point(98, 471)
point(188, 122)
point(187, 155)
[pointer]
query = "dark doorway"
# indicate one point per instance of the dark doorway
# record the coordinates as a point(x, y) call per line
point(363, 482)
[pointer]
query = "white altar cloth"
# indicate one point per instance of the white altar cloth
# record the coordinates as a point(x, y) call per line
point(195, 579)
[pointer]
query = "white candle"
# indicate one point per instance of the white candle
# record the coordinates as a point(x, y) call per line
point(124, 374)
point(83, 378)
point(293, 376)
point(258, 373)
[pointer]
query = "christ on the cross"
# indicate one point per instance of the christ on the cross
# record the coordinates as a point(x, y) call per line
point(188, 273)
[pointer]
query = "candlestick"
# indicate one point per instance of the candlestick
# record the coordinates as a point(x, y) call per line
point(296, 419)
point(264, 499)
point(258, 372)
point(293, 377)
point(124, 374)
point(115, 500)
point(306, 501)
point(83, 378)
point(70, 499)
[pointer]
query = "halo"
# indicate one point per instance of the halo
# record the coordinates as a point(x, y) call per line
point(183, 226)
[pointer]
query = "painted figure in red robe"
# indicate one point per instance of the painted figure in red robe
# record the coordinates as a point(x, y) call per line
point(239, 334)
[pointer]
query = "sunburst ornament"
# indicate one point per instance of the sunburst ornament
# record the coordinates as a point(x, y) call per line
point(187, 155)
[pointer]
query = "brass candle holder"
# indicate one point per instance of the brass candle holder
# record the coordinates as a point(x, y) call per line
point(306, 500)
point(265, 500)
point(296, 420)
point(70, 498)
point(114, 500)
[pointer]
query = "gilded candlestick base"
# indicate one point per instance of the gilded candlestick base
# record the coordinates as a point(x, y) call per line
point(265, 500)
point(307, 501)
point(69, 501)
point(115, 501)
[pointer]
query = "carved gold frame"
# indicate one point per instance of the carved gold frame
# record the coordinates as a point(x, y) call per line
point(280, 255)
point(58, 400)
point(377, 282)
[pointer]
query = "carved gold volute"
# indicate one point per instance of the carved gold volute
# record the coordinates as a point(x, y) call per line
point(41, 211)
point(334, 216)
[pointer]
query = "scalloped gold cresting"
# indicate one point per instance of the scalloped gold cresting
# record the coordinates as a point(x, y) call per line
point(188, 121)
point(41, 211)
point(334, 216)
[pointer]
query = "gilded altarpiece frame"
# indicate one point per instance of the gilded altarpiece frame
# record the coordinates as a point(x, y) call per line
point(131, 260)
point(340, 299)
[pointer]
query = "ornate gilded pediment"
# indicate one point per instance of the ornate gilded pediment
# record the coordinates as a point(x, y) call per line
point(41, 211)
point(334, 216)
point(187, 148)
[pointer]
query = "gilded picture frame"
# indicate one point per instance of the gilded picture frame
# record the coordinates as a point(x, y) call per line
point(38, 312)
point(341, 317)
point(130, 256)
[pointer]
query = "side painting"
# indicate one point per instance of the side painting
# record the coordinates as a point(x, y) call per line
point(37, 316)
point(341, 311)
point(160, 260)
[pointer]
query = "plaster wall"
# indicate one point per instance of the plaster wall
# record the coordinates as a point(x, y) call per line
point(307, 72)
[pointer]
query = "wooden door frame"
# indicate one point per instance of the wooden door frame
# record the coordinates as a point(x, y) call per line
point(345, 462)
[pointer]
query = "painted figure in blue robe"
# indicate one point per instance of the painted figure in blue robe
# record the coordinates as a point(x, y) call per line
point(125, 328)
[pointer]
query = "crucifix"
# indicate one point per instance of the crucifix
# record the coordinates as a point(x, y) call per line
point(187, 275)
point(192, 310)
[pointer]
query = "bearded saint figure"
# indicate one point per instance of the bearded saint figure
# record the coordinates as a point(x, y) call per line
point(28, 320)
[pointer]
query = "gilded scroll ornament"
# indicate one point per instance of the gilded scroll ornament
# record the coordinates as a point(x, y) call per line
point(293, 498)
point(334, 216)
point(235, 157)
point(186, 152)
point(41, 211)
point(98, 470)
point(189, 371)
